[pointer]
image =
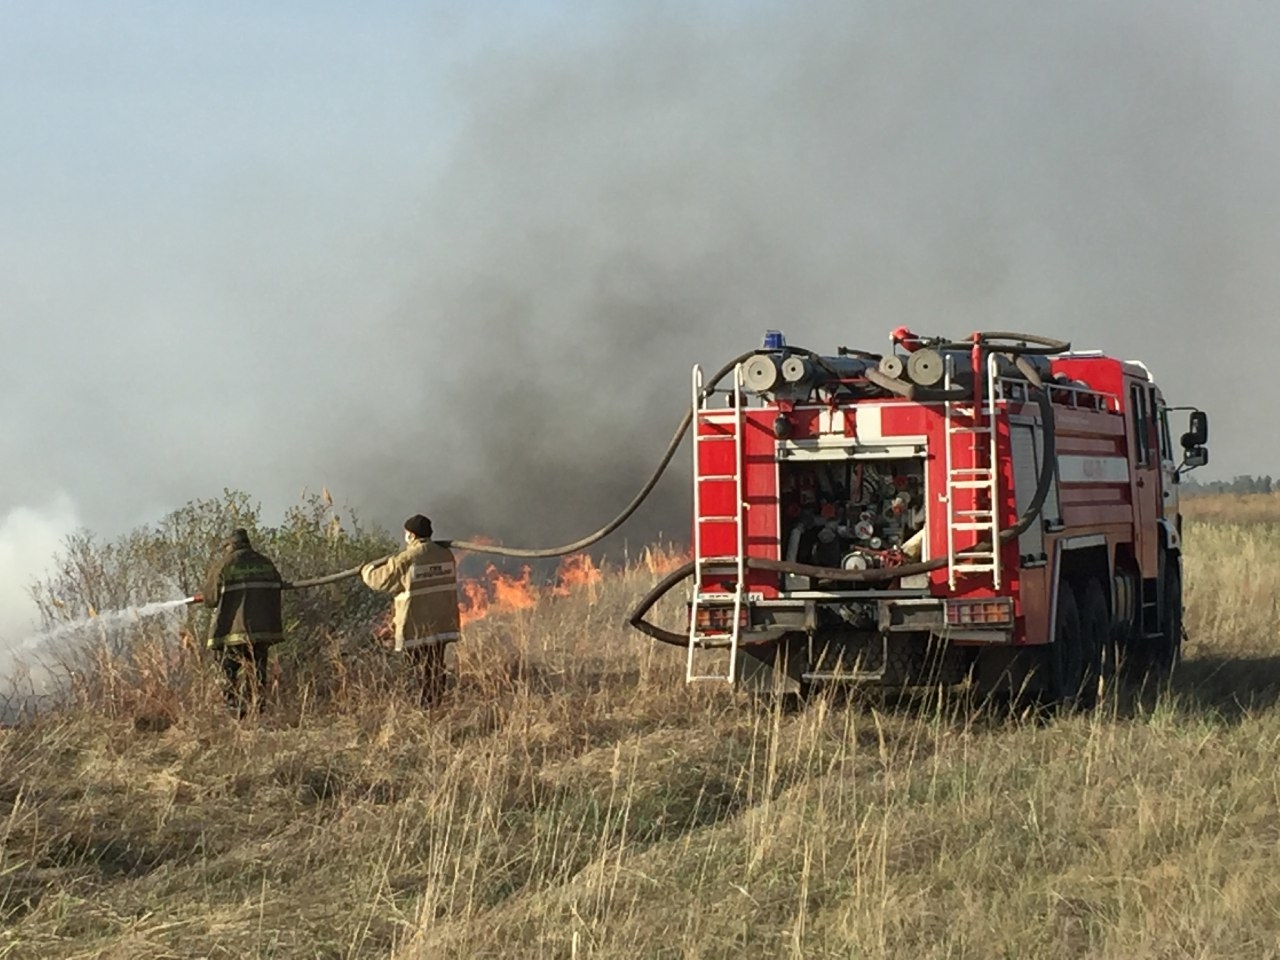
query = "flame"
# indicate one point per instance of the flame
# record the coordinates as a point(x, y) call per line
point(512, 593)
point(576, 571)
point(662, 560)
point(475, 602)
point(497, 592)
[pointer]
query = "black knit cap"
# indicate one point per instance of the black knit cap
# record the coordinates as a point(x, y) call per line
point(239, 538)
point(419, 526)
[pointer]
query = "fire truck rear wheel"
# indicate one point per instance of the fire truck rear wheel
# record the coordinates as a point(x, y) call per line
point(1067, 656)
point(1097, 643)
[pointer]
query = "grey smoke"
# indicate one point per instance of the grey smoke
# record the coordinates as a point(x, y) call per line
point(497, 328)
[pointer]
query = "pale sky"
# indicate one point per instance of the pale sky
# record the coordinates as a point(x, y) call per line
point(462, 262)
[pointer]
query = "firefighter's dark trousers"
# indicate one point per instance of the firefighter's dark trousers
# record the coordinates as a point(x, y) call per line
point(245, 667)
point(427, 671)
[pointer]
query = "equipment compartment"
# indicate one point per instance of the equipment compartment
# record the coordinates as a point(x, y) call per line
point(852, 514)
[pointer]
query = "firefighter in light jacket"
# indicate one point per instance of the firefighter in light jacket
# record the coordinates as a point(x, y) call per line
point(424, 578)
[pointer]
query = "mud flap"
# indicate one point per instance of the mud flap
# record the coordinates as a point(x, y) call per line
point(771, 673)
point(1012, 671)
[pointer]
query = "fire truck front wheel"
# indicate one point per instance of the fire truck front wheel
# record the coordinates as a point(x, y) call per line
point(1168, 648)
point(1154, 656)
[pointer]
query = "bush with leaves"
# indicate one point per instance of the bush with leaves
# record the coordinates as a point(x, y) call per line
point(170, 559)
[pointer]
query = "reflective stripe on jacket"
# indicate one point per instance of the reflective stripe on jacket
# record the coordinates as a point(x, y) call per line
point(424, 579)
point(246, 589)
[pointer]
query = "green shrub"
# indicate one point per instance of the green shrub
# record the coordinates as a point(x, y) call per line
point(169, 560)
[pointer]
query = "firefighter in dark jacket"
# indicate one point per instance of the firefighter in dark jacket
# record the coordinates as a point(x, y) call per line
point(424, 579)
point(245, 587)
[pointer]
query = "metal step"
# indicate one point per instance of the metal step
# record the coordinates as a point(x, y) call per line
point(971, 526)
point(706, 638)
point(970, 485)
point(844, 675)
point(718, 476)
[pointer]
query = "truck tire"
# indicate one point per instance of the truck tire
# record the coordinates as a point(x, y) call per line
point(1167, 650)
point(1155, 655)
point(1097, 643)
point(1066, 654)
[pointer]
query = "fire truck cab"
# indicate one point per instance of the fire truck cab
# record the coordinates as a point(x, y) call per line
point(998, 509)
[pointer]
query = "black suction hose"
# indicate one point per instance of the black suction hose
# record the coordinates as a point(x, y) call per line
point(636, 618)
point(1044, 346)
point(1025, 344)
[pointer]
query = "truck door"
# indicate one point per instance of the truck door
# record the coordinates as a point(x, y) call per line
point(1168, 465)
point(1145, 456)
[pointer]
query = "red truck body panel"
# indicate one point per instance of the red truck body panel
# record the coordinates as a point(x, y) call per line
point(1105, 493)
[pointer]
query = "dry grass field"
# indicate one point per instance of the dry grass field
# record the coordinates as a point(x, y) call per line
point(573, 798)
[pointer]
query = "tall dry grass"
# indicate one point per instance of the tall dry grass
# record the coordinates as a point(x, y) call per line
point(572, 798)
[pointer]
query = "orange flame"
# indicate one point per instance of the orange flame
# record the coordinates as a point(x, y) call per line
point(662, 560)
point(576, 571)
point(497, 592)
point(475, 602)
point(512, 593)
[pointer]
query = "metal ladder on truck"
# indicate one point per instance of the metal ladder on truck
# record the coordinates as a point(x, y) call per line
point(734, 418)
point(971, 430)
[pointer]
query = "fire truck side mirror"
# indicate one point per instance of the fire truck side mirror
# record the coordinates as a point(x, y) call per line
point(1196, 457)
point(1198, 434)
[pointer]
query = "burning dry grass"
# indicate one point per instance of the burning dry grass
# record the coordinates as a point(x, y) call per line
point(574, 798)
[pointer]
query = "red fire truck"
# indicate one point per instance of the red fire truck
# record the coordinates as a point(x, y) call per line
point(999, 509)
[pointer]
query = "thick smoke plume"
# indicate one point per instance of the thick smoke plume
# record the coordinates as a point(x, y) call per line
point(505, 343)
point(616, 211)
